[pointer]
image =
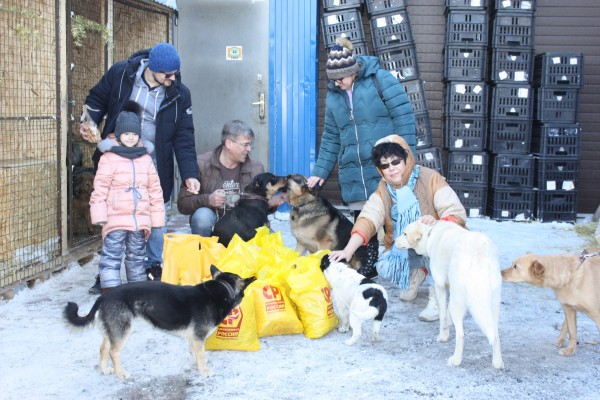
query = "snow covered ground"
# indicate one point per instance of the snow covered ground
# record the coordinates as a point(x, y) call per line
point(40, 358)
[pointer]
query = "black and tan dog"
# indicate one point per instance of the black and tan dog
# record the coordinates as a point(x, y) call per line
point(318, 225)
point(251, 211)
point(193, 312)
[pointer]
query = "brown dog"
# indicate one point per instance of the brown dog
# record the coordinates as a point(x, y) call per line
point(575, 278)
point(83, 186)
point(318, 225)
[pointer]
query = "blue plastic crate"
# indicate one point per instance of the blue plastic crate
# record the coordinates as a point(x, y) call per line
point(558, 69)
point(473, 198)
point(375, 7)
point(556, 206)
point(512, 170)
point(557, 173)
point(468, 167)
point(465, 133)
point(390, 30)
point(465, 63)
point(506, 204)
point(465, 99)
point(347, 23)
point(431, 158)
point(511, 136)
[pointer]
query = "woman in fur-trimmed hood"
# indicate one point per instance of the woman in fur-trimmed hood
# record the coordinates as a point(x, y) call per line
point(406, 192)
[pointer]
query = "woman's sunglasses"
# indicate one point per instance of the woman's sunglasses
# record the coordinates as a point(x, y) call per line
point(386, 166)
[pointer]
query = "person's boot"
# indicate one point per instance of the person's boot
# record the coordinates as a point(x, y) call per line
point(430, 313)
point(417, 276)
point(154, 272)
point(96, 289)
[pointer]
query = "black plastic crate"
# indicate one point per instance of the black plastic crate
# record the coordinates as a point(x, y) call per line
point(512, 170)
point(468, 167)
point(465, 99)
point(511, 65)
point(511, 101)
point(346, 23)
point(401, 61)
point(465, 5)
point(462, 133)
point(506, 204)
point(526, 6)
point(416, 94)
point(473, 198)
point(423, 130)
point(509, 136)
point(390, 30)
point(375, 7)
point(556, 104)
point(335, 5)
point(558, 69)
point(431, 158)
point(556, 140)
point(512, 29)
point(556, 173)
point(466, 27)
point(465, 63)
point(556, 206)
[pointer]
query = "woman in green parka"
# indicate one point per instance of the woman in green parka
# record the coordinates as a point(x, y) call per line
point(364, 104)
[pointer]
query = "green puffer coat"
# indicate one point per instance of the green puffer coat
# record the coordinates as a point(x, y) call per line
point(350, 133)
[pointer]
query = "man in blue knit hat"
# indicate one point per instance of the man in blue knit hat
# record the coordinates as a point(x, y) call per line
point(151, 78)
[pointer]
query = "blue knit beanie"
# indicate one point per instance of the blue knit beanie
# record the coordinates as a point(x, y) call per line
point(164, 58)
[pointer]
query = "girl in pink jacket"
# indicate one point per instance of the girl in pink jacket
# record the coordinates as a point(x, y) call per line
point(127, 200)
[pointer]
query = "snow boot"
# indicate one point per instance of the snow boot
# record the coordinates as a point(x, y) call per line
point(430, 313)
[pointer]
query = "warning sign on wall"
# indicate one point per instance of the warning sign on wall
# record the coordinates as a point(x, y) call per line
point(233, 53)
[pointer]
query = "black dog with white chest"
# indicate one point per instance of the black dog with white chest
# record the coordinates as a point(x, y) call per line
point(251, 212)
point(193, 312)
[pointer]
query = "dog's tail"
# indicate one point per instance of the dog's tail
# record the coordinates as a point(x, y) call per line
point(71, 314)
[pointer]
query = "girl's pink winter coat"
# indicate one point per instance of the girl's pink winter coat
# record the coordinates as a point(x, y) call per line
point(127, 194)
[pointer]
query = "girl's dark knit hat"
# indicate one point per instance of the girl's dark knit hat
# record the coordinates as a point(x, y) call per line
point(129, 119)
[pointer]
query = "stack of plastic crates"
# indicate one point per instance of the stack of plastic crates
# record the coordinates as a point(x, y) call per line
point(342, 18)
point(465, 102)
point(510, 66)
point(394, 45)
point(556, 138)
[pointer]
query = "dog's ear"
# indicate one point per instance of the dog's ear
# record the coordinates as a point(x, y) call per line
point(246, 282)
point(325, 262)
point(536, 269)
point(214, 271)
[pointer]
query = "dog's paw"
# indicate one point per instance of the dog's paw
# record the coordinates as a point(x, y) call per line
point(207, 372)
point(351, 341)
point(443, 337)
point(454, 361)
point(567, 351)
point(343, 328)
point(498, 364)
point(375, 337)
point(122, 374)
point(106, 370)
point(560, 342)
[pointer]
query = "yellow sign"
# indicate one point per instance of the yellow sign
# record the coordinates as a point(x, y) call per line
point(233, 53)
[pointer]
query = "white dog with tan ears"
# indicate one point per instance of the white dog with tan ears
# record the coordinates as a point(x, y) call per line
point(467, 262)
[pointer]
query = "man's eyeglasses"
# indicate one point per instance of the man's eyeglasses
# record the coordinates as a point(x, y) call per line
point(394, 162)
point(169, 75)
point(244, 145)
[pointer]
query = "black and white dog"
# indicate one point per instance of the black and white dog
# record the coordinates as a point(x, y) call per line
point(356, 299)
point(193, 312)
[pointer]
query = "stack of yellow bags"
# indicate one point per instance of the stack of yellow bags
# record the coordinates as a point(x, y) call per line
point(290, 295)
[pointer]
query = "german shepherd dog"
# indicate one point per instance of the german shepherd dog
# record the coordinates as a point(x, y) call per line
point(251, 212)
point(83, 186)
point(318, 225)
point(193, 312)
point(356, 299)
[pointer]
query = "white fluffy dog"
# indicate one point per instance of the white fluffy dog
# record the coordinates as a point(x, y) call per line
point(466, 262)
point(356, 299)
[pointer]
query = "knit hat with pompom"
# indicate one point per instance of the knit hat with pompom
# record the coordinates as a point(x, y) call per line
point(341, 62)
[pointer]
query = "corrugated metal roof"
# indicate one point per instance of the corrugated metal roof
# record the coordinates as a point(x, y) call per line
point(167, 3)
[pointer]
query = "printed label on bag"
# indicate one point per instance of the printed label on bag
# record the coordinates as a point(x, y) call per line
point(327, 294)
point(231, 325)
point(274, 299)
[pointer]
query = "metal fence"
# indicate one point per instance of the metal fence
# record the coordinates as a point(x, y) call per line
point(32, 155)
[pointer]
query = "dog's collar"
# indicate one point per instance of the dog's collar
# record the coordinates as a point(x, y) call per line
point(298, 207)
point(585, 255)
point(230, 291)
point(253, 196)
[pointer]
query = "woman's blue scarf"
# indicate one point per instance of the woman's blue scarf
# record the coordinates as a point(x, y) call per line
point(394, 265)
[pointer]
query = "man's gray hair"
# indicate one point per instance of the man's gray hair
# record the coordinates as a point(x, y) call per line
point(234, 129)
